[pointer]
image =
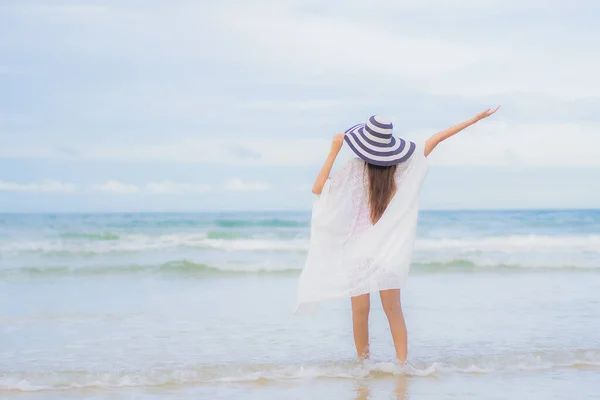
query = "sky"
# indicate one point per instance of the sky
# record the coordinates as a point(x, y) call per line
point(219, 106)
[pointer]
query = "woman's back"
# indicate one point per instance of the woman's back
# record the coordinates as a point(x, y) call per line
point(357, 172)
point(349, 254)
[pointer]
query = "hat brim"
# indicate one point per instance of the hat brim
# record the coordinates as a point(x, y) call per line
point(395, 152)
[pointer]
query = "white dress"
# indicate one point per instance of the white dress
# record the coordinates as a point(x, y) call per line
point(348, 255)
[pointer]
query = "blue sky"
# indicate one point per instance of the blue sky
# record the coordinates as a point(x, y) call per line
point(193, 105)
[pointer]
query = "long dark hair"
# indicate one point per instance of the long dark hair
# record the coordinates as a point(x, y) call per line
point(382, 187)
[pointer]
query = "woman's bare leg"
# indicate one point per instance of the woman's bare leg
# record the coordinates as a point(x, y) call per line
point(361, 306)
point(390, 299)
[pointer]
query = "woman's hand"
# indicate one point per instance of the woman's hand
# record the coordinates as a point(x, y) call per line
point(486, 113)
point(433, 141)
point(337, 143)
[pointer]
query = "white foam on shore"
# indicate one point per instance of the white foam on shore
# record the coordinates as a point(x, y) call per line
point(223, 374)
point(141, 242)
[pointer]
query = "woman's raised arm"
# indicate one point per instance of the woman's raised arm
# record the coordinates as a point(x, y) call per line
point(433, 141)
point(336, 145)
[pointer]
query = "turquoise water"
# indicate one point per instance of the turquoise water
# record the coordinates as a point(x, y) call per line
point(501, 304)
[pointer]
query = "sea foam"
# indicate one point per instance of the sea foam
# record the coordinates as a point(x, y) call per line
point(216, 374)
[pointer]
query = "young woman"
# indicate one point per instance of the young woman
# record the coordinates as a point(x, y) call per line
point(364, 221)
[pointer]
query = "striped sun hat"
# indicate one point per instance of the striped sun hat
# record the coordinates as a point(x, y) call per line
point(374, 142)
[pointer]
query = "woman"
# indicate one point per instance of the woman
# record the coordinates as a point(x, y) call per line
point(364, 221)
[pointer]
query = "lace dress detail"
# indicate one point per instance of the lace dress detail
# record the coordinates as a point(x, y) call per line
point(348, 254)
point(362, 272)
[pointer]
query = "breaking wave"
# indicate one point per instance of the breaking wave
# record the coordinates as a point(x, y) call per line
point(219, 374)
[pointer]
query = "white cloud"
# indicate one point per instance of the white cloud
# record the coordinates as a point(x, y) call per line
point(468, 61)
point(434, 5)
point(522, 69)
point(497, 143)
point(167, 187)
point(27, 151)
point(48, 186)
point(239, 185)
point(491, 142)
point(233, 151)
point(303, 188)
point(113, 186)
point(437, 46)
point(299, 41)
point(342, 46)
point(294, 105)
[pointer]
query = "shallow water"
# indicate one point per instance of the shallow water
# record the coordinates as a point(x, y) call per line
point(498, 305)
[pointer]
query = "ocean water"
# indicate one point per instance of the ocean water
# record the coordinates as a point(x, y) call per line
point(499, 305)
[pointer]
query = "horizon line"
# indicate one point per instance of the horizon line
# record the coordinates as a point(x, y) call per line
point(291, 211)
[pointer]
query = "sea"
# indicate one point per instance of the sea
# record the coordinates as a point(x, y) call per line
point(498, 304)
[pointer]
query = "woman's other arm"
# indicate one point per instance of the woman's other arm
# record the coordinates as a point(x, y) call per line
point(433, 141)
point(336, 146)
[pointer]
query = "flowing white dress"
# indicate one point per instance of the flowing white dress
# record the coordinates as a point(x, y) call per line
point(348, 255)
